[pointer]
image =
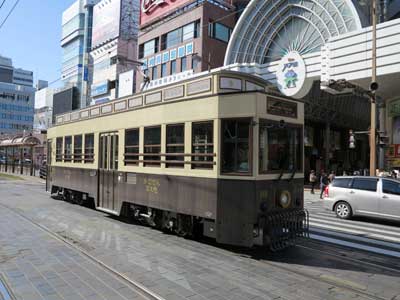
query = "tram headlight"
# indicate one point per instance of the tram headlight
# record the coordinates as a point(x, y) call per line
point(285, 199)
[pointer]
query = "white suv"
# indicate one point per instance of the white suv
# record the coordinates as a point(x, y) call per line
point(363, 196)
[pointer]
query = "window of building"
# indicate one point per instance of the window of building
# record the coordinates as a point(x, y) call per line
point(236, 146)
point(280, 147)
point(390, 187)
point(203, 145)
point(67, 148)
point(188, 32)
point(152, 146)
point(175, 145)
point(183, 64)
point(59, 149)
point(78, 148)
point(219, 32)
point(366, 184)
point(89, 148)
point(164, 70)
point(181, 34)
point(173, 67)
point(132, 147)
point(154, 73)
point(195, 62)
point(148, 48)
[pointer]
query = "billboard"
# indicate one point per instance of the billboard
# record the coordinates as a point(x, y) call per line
point(152, 9)
point(106, 21)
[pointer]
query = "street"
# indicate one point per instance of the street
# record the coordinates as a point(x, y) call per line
point(375, 235)
point(51, 249)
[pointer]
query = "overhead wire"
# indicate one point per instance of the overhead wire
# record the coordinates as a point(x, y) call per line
point(9, 13)
point(1, 5)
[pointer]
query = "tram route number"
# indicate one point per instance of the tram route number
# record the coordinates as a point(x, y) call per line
point(152, 185)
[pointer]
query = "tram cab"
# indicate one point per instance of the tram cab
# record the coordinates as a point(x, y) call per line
point(220, 153)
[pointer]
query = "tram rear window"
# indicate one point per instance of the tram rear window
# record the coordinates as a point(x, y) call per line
point(175, 146)
point(132, 147)
point(77, 148)
point(152, 146)
point(202, 145)
point(236, 146)
point(280, 147)
point(59, 146)
point(67, 148)
point(89, 148)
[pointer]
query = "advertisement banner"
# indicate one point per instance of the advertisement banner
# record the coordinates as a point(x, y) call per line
point(151, 9)
point(106, 21)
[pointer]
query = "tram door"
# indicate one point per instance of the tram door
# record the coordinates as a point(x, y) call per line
point(108, 175)
point(48, 165)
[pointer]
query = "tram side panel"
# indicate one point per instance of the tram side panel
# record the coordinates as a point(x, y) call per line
point(185, 195)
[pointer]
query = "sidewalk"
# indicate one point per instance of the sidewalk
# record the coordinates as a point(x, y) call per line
point(9, 175)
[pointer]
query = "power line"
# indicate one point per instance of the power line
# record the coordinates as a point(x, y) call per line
point(2, 4)
point(12, 9)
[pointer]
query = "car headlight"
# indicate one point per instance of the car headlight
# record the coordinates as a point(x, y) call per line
point(284, 199)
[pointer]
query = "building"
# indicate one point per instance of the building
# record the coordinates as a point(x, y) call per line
point(64, 100)
point(43, 106)
point(17, 98)
point(114, 45)
point(180, 38)
point(320, 51)
point(76, 43)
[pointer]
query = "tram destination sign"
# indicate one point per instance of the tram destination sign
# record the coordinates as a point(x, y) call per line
point(281, 108)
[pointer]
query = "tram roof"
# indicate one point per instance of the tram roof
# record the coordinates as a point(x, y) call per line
point(201, 85)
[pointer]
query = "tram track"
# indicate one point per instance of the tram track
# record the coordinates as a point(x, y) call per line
point(139, 288)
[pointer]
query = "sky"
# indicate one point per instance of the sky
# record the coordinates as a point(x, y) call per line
point(31, 36)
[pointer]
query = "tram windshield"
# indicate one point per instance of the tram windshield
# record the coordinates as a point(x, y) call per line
point(280, 147)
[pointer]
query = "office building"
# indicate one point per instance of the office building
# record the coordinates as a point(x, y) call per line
point(17, 97)
point(43, 106)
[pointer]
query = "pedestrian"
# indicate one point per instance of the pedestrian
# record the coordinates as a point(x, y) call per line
point(324, 182)
point(313, 180)
point(331, 176)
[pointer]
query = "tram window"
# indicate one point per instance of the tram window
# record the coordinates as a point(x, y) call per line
point(202, 145)
point(236, 146)
point(67, 148)
point(175, 145)
point(131, 147)
point(89, 148)
point(59, 145)
point(280, 148)
point(78, 148)
point(152, 146)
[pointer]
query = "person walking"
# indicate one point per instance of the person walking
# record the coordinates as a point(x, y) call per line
point(313, 180)
point(331, 176)
point(324, 182)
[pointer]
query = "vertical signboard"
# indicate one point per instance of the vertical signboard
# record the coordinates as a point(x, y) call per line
point(106, 21)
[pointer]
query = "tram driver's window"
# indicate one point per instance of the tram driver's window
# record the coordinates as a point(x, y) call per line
point(67, 148)
point(236, 146)
point(280, 147)
point(175, 145)
point(152, 146)
point(202, 145)
point(59, 145)
point(132, 147)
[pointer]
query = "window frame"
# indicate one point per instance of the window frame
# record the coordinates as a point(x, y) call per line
point(177, 163)
point(88, 151)
point(250, 151)
point(132, 158)
point(204, 163)
point(184, 59)
point(68, 150)
point(391, 182)
point(59, 150)
point(151, 159)
point(365, 179)
point(77, 156)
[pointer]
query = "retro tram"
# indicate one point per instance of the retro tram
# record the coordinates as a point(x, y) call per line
point(219, 155)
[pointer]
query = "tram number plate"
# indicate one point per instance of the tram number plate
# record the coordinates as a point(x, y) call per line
point(131, 178)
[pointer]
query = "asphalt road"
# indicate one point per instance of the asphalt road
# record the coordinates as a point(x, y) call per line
point(49, 248)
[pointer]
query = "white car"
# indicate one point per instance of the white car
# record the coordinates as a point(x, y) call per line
point(351, 196)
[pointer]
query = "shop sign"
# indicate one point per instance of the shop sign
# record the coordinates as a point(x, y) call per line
point(390, 151)
point(100, 89)
point(151, 10)
point(394, 108)
point(281, 108)
point(291, 74)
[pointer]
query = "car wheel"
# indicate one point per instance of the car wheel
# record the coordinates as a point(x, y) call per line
point(343, 210)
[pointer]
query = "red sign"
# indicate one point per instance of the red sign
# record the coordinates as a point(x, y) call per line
point(152, 9)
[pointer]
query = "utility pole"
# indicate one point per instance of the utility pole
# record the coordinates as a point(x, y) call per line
point(372, 134)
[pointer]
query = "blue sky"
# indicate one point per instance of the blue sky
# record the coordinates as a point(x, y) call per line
point(31, 36)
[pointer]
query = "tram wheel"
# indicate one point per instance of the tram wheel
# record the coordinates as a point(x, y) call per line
point(185, 226)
